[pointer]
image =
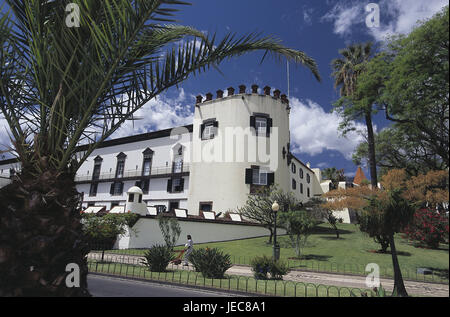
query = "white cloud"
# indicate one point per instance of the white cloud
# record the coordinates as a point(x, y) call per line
point(405, 15)
point(344, 17)
point(396, 16)
point(313, 130)
point(159, 113)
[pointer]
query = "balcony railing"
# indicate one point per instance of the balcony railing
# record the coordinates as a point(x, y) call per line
point(132, 173)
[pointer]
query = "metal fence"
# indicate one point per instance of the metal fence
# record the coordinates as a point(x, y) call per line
point(131, 266)
point(327, 267)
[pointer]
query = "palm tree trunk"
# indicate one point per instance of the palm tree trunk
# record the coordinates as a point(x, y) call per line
point(40, 235)
point(399, 286)
point(371, 143)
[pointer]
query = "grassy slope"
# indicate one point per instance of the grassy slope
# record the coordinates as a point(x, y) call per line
point(350, 253)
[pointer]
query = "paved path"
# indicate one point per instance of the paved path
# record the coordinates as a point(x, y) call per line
point(353, 281)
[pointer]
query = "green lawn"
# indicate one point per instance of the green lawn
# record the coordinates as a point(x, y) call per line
point(349, 254)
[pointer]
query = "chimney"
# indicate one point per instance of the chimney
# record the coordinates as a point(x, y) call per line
point(254, 89)
point(267, 90)
point(242, 89)
point(276, 94)
point(199, 99)
point(230, 91)
point(219, 94)
point(208, 96)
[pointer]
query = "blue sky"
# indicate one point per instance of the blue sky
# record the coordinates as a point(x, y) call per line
point(319, 28)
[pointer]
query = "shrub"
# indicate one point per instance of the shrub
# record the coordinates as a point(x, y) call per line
point(262, 265)
point(158, 257)
point(212, 263)
point(428, 227)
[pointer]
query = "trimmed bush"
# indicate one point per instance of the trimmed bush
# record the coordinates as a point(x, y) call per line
point(212, 263)
point(263, 265)
point(158, 257)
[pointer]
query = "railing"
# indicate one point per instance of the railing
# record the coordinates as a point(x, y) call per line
point(132, 267)
point(327, 267)
point(132, 173)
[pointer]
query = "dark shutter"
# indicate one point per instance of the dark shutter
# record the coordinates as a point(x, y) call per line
point(269, 126)
point(253, 122)
point(146, 186)
point(248, 176)
point(216, 127)
point(111, 189)
point(169, 185)
point(181, 184)
point(121, 188)
point(270, 178)
point(138, 184)
point(202, 128)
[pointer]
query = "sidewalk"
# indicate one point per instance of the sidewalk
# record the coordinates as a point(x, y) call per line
point(296, 275)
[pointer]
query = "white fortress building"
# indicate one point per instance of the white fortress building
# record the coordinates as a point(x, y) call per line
point(236, 144)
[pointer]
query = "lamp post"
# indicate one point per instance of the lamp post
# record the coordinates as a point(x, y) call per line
point(276, 248)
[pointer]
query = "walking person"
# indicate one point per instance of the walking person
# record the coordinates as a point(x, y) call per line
point(189, 246)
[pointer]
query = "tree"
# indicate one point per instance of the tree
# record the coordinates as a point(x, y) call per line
point(333, 174)
point(409, 81)
point(258, 206)
point(102, 231)
point(381, 212)
point(315, 206)
point(299, 225)
point(63, 86)
point(397, 148)
point(170, 230)
point(346, 73)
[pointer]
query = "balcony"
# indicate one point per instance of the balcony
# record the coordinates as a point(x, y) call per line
point(155, 172)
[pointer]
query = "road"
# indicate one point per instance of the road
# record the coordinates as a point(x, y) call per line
point(105, 286)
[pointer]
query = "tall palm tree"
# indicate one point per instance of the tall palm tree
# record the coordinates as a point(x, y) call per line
point(61, 86)
point(346, 71)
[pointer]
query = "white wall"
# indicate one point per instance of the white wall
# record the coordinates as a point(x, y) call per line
point(148, 232)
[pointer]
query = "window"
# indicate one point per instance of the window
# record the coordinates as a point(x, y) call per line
point(93, 189)
point(174, 205)
point(307, 191)
point(116, 189)
point(208, 129)
point(178, 165)
point(294, 184)
point(139, 198)
point(308, 178)
point(301, 173)
point(293, 168)
point(257, 176)
point(175, 185)
point(301, 188)
point(131, 198)
point(206, 206)
point(262, 124)
point(120, 165)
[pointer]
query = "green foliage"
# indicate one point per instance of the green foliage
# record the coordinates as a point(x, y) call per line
point(409, 81)
point(212, 263)
point(299, 225)
point(170, 230)
point(101, 229)
point(158, 257)
point(263, 265)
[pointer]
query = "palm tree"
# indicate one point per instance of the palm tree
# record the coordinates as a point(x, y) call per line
point(334, 175)
point(346, 71)
point(63, 86)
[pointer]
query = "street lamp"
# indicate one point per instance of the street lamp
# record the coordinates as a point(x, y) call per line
point(276, 248)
